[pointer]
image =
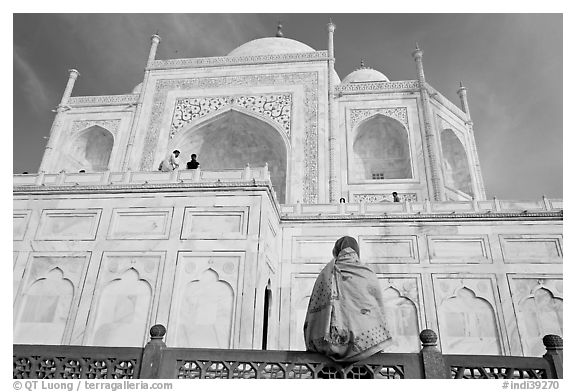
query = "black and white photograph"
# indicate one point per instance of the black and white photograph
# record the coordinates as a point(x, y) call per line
point(287, 196)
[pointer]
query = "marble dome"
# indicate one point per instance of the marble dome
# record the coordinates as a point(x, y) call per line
point(270, 45)
point(365, 75)
point(137, 89)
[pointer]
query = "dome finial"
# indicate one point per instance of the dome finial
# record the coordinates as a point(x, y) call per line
point(362, 65)
point(417, 47)
point(279, 32)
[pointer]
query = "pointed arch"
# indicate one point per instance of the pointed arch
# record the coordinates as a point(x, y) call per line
point(380, 150)
point(90, 150)
point(122, 311)
point(467, 323)
point(455, 163)
point(234, 138)
point(205, 313)
point(45, 308)
point(539, 314)
point(402, 317)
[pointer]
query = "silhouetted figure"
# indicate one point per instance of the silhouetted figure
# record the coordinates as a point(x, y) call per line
point(193, 164)
point(395, 197)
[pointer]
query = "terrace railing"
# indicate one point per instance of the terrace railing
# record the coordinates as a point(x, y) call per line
point(158, 361)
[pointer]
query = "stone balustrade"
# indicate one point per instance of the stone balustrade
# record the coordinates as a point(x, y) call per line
point(260, 174)
point(261, 177)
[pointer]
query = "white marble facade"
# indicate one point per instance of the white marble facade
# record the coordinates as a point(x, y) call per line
point(98, 263)
point(101, 256)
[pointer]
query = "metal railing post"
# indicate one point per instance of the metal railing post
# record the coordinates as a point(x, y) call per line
point(152, 356)
point(554, 348)
point(433, 362)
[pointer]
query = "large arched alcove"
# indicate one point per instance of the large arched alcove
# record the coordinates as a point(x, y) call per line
point(381, 150)
point(91, 150)
point(233, 139)
point(456, 168)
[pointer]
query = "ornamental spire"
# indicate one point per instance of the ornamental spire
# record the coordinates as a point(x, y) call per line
point(279, 32)
point(362, 65)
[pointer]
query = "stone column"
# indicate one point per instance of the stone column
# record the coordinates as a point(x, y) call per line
point(479, 189)
point(436, 191)
point(129, 147)
point(332, 121)
point(60, 109)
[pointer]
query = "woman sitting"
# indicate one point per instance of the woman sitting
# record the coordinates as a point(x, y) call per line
point(345, 319)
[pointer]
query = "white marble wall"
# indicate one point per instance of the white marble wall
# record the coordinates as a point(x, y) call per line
point(100, 267)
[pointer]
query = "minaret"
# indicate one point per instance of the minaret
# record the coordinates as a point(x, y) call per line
point(62, 107)
point(431, 157)
point(333, 190)
point(479, 189)
point(153, 48)
point(126, 164)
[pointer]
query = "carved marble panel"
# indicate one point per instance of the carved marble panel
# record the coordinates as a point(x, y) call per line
point(467, 313)
point(459, 249)
point(312, 249)
point(275, 107)
point(538, 304)
point(122, 305)
point(382, 197)
point(140, 223)
point(389, 249)
point(76, 224)
point(531, 248)
point(110, 125)
point(309, 81)
point(205, 301)
point(48, 297)
point(399, 113)
point(20, 219)
point(215, 222)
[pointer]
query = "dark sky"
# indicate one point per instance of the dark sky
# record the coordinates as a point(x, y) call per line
point(511, 64)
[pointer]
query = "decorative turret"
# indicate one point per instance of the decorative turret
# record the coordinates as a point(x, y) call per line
point(72, 76)
point(153, 48)
point(463, 94)
point(279, 32)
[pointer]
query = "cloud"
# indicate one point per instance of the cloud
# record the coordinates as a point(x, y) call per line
point(34, 89)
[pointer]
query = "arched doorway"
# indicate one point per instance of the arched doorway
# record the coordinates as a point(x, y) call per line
point(380, 150)
point(90, 150)
point(233, 139)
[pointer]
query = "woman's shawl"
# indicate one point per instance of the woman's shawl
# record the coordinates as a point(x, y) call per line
point(345, 319)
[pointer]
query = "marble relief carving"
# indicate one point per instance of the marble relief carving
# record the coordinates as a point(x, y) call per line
point(109, 125)
point(382, 197)
point(309, 80)
point(400, 114)
point(276, 107)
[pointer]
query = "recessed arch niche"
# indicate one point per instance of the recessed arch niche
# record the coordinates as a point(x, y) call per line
point(456, 168)
point(90, 150)
point(380, 150)
point(538, 315)
point(467, 324)
point(232, 139)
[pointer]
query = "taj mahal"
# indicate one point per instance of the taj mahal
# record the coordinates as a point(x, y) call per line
point(292, 157)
